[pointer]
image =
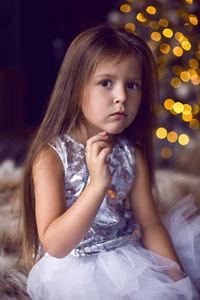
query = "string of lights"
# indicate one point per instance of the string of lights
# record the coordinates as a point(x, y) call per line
point(171, 29)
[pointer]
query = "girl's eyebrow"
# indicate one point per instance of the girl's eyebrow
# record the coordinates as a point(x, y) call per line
point(114, 76)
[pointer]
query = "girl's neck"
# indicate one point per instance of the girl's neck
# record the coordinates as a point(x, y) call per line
point(79, 134)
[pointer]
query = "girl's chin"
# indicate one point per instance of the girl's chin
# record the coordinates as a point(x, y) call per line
point(110, 131)
point(115, 131)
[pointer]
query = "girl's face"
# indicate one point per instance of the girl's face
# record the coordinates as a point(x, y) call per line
point(112, 97)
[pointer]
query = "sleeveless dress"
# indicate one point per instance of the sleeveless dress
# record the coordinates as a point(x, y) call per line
point(110, 263)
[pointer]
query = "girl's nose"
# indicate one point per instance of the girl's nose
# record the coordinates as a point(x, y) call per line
point(120, 95)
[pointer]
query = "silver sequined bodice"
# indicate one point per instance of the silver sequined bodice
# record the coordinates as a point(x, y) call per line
point(113, 225)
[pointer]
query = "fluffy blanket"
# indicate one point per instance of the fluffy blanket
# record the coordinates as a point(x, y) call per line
point(171, 187)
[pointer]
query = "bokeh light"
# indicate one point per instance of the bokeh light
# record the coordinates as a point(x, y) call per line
point(194, 124)
point(151, 10)
point(165, 48)
point(185, 76)
point(187, 116)
point(183, 139)
point(167, 32)
point(125, 8)
point(163, 22)
point(195, 79)
point(155, 36)
point(178, 51)
point(166, 152)
point(172, 136)
point(173, 38)
point(161, 133)
point(178, 107)
point(178, 36)
point(141, 17)
point(176, 82)
point(193, 63)
point(195, 109)
point(193, 19)
point(130, 27)
point(186, 45)
point(168, 104)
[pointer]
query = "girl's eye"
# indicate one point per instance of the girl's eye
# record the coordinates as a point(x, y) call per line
point(106, 83)
point(132, 85)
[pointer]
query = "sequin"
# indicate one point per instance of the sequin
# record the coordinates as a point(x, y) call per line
point(114, 224)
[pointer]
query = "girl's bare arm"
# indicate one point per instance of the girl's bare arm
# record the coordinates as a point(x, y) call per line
point(60, 230)
point(155, 236)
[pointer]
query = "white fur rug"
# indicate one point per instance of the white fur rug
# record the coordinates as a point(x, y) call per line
point(171, 187)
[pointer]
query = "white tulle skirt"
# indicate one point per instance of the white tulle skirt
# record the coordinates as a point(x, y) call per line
point(129, 272)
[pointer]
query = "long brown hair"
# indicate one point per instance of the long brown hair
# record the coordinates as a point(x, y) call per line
point(86, 51)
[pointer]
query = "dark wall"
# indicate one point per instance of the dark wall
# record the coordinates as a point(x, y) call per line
point(34, 36)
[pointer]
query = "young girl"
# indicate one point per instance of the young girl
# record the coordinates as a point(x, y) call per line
point(88, 207)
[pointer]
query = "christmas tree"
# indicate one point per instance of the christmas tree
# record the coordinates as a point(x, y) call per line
point(171, 29)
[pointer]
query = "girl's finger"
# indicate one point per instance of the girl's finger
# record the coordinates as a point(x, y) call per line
point(100, 136)
point(104, 153)
point(96, 147)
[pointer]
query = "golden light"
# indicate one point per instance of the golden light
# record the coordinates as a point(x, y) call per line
point(183, 139)
point(173, 112)
point(177, 70)
point(141, 17)
point(194, 124)
point(186, 45)
point(151, 10)
point(193, 19)
point(130, 1)
point(154, 24)
point(165, 48)
point(189, 1)
point(172, 136)
point(185, 76)
point(195, 79)
point(125, 8)
point(178, 51)
point(187, 108)
point(168, 33)
point(187, 116)
point(195, 109)
point(130, 27)
point(178, 107)
point(194, 64)
point(163, 22)
point(168, 104)
point(178, 36)
point(161, 133)
point(176, 82)
point(197, 54)
point(155, 36)
point(166, 152)
point(192, 72)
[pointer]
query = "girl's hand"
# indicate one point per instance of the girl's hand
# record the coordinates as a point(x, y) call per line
point(97, 149)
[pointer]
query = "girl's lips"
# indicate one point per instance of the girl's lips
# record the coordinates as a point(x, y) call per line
point(119, 115)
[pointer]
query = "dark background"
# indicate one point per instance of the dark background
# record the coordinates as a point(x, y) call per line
point(34, 36)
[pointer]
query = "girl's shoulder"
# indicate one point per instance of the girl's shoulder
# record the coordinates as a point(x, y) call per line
point(65, 142)
point(68, 149)
point(46, 162)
